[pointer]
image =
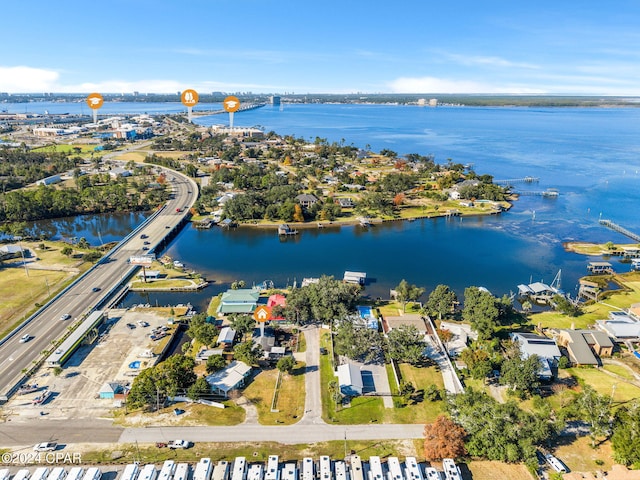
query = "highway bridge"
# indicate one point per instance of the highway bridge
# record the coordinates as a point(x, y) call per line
point(94, 288)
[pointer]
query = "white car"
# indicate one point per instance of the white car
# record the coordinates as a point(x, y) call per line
point(45, 447)
point(65, 316)
point(25, 338)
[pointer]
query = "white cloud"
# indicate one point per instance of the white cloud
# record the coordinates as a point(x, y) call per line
point(444, 85)
point(27, 79)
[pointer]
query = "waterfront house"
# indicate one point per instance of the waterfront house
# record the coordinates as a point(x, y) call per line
point(242, 300)
point(599, 268)
point(345, 202)
point(586, 346)
point(545, 348)
point(306, 200)
point(620, 326)
point(350, 379)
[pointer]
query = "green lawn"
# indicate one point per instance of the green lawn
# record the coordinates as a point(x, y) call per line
point(619, 370)
point(369, 409)
point(604, 384)
point(290, 401)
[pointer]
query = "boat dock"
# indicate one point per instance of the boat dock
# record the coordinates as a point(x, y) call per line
point(617, 228)
point(285, 229)
point(548, 193)
point(512, 181)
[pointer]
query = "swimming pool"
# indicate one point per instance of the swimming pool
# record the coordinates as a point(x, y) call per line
point(365, 311)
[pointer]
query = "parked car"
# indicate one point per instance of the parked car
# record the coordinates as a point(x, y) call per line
point(130, 326)
point(45, 447)
point(179, 444)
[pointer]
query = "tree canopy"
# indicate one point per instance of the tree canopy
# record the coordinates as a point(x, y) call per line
point(441, 301)
point(406, 292)
point(405, 344)
point(480, 311)
point(443, 439)
point(327, 300)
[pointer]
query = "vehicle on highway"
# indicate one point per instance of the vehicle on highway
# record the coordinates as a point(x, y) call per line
point(167, 226)
point(95, 289)
point(178, 210)
point(25, 338)
point(146, 243)
point(145, 248)
point(65, 316)
point(45, 447)
point(143, 236)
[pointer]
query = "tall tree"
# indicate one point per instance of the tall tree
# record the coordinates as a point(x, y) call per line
point(626, 435)
point(521, 375)
point(443, 439)
point(441, 301)
point(248, 353)
point(405, 344)
point(480, 311)
point(406, 292)
point(596, 409)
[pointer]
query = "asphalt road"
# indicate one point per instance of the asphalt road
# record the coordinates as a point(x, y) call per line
point(96, 431)
point(80, 298)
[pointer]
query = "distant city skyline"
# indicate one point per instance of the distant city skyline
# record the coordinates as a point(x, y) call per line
point(283, 46)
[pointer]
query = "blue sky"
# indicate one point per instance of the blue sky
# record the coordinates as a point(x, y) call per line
point(280, 46)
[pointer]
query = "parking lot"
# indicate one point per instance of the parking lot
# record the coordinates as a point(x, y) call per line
point(124, 340)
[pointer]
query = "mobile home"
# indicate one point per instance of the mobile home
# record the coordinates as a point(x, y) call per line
point(148, 472)
point(356, 468)
point(202, 470)
point(395, 471)
point(340, 469)
point(57, 473)
point(308, 468)
point(290, 471)
point(255, 472)
point(375, 468)
point(41, 473)
point(182, 472)
point(451, 470)
point(76, 473)
point(131, 471)
point(22, 474)
point(92, 473)
point(432, 474)
point(272, 473)
point(167, 470)
point(221, 470)
point(412, 469)
point(325, 468)
point(239, 471)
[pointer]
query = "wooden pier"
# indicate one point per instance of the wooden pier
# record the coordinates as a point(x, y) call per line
point(512, 181)
point(617, 228)
point(546, 193)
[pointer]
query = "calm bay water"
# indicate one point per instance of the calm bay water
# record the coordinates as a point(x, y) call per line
point(592, 156)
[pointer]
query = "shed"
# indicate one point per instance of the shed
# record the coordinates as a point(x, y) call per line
point(109, 390)
point(350, 379)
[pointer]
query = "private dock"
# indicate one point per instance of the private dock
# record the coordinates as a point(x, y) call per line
point(617, 228)
point(512, 181)
point(285, 229)
point(549, 193)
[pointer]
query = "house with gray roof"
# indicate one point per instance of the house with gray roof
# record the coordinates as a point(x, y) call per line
point(306, 200)
point(586, 346)
point(544, 347)
point(231, 377)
